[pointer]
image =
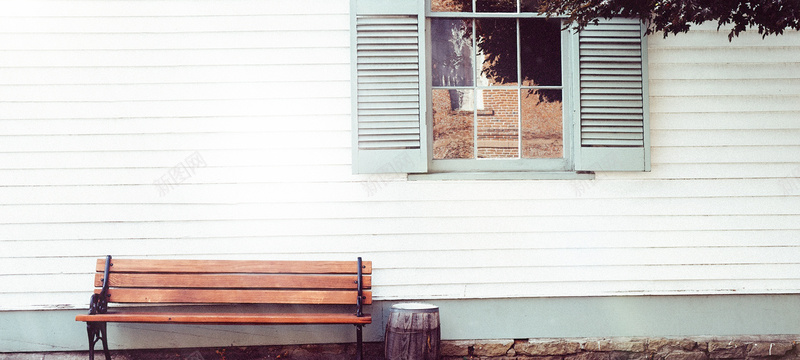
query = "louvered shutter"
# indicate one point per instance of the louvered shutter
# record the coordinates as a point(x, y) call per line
point(613, 133)
point(388, 89)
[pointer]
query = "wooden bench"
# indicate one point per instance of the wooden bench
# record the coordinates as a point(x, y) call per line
point(217, 282)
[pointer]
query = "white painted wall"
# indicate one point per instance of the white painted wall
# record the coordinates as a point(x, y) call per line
point(98, 100)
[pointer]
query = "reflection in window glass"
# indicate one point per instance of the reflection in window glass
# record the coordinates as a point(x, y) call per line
point(542, 124)
point(496, 84)
point(451, 5)
point(451, 52)
point(540, 47)
point(498, 124)
point(497, 51)
point(496, 5)
point(529, 5)
point(453, 118)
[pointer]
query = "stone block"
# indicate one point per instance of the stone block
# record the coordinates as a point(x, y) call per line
point(547, 347)
point(619, 355)
point(590, 356)
point(492, 347)
point(657, 345)
point(540, 357)
point(627, 345)
point(724, 345)
point(626, 355)
point(792, 355)
point(638, 356)
point(764, 349)
point(686, 355)
point(727, 349)
point(456, 347)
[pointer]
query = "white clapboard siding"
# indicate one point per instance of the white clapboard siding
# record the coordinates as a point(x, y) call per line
point(104, 98)
point(162, 92)
point(395, 191)
point(745, 120)
point(188, 74)
point(433, 226)
point(167, 158)
point(155, 125)
point(725, 109)
point(198, 10)
point(99, 101)
point(712, 206)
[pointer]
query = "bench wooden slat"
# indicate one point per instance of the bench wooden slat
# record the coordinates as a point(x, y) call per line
point(241, 281)
point(230, 318)
point(234, 266)
point(130, 295)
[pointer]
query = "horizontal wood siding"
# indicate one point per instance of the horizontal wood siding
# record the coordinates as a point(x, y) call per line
point(248, 104)
point(105, 98)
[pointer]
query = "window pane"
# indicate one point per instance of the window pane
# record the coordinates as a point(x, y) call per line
point(496, 5)
point(451, 5)
point(497, 51)
point(453, 119)
point(542, 124)
point(529, 5)
point(451, 52)
point(498, 124)
point(540, 44)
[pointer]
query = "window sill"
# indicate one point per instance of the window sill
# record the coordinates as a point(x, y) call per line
point(508, 175)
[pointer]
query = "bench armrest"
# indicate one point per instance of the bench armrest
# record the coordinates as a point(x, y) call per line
point(98, 304)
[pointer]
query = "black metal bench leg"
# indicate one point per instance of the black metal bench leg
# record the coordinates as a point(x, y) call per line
point(97, 332)
point(359, 344)
point(90, 330)
point(105, 342)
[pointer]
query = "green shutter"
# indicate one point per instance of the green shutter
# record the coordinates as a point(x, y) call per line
point(613, 133)
point(388, 88)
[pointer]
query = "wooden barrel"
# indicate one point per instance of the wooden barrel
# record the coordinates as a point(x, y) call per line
point(412, 332)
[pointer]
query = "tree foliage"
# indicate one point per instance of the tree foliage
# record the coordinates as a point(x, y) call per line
point(771, 17)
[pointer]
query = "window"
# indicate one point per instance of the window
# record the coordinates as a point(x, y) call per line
point(490, 86)
point(496, 88)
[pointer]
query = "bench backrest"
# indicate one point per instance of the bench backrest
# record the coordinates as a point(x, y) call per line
point(235, 281)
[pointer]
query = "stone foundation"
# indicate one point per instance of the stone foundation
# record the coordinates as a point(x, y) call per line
point(734, 348)
point(752, 348)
